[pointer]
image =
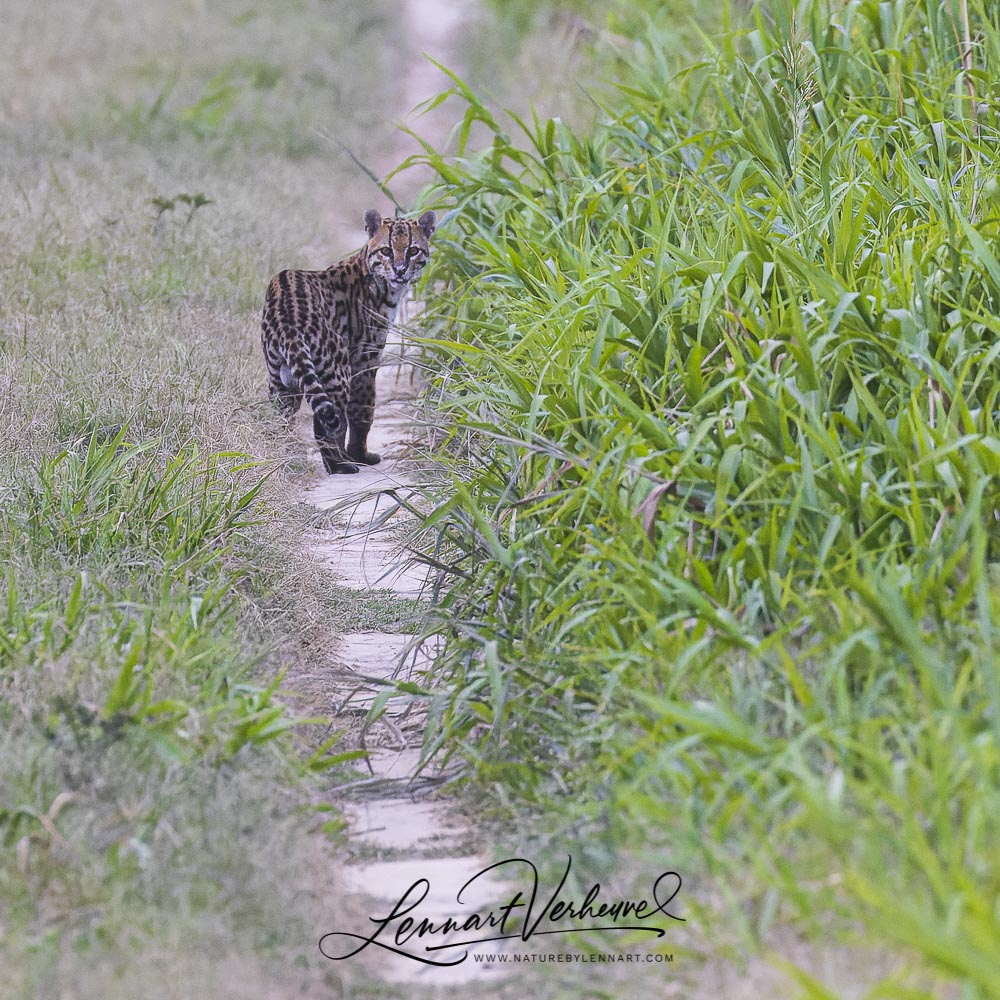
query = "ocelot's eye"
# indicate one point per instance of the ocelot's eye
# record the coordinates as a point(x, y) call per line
point(386, 250)
point(413, 252)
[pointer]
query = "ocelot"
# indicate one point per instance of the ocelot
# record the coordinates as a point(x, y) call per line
point(323, 333)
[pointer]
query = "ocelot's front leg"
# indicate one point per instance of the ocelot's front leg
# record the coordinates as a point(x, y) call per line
point(361, 408)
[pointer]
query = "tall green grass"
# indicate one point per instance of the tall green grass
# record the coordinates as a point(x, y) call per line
point(130, 696)
point(723, 472)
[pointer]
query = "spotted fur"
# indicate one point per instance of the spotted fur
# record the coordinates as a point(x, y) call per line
point(323, 333)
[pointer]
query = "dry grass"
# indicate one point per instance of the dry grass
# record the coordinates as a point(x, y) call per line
point(127, 302)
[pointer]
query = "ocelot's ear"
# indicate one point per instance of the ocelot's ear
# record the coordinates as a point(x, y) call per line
point(373, 219)
point(427, 223)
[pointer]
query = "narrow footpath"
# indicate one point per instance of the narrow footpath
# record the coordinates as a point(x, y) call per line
point(402, 827)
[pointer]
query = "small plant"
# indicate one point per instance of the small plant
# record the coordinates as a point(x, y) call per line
point(192, 201)
point(113, 495)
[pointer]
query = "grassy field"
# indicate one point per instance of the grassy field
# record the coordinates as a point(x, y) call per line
point(720, 483)
point(157, 163)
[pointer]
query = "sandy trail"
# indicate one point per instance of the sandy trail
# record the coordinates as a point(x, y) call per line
point(399, 820)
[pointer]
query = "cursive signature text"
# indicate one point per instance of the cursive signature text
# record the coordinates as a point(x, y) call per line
point(524, 915)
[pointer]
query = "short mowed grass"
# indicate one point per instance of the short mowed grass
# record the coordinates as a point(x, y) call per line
point(158, 835)
point(721, 481)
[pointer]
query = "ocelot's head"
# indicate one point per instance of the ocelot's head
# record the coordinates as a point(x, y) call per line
point(398, 248)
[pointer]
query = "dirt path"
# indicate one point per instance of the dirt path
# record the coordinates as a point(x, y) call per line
point(402, 827)
point(401, 824)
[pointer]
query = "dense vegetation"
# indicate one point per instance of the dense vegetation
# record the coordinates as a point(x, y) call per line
point(719, 379)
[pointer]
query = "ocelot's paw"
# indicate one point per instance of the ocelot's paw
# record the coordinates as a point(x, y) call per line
point(336, 463)
point(364, 457)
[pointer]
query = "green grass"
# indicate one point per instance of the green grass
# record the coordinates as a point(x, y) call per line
point(131, 696)
point(718, 489)
point(722, 486)
point(157, 613)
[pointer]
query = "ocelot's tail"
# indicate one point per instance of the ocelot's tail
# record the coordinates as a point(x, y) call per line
point(302, 373)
